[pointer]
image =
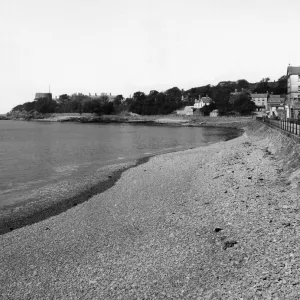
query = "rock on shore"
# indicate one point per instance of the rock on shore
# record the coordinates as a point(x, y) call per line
point(216, 222)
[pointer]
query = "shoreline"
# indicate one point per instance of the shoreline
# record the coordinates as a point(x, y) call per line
point(152, 120)
point(210, 222)
point(34, 210)
point(18, 215)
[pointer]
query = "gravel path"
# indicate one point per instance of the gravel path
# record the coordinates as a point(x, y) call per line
point(216, 222)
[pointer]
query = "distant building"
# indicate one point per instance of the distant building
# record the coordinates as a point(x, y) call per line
point(202, 102)
point(276, 105)
point(214, 113)
point(109, 96)
point(293, 92)
point(260, 100)
point(43, 95)
point(276, 101)
point(187, 111)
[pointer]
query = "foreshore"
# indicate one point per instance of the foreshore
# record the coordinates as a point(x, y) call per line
point(55, 198)
point(215, 222)
point(173, 119)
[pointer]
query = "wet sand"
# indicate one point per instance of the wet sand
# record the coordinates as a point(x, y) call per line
point(215, 222)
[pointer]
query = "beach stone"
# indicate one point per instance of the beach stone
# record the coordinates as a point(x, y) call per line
point(229, 244)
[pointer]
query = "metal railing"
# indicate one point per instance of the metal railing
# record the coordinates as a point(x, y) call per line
point(289, 125)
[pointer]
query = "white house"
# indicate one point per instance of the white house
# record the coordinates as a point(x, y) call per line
point(202, 102)
point(260, 100)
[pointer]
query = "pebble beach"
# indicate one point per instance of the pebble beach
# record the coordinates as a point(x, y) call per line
point(214, 222)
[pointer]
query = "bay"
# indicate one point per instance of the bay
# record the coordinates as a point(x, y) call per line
point(33, 154)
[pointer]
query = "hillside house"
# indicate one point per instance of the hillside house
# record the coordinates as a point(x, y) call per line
point(260, 100)
point(202, 102)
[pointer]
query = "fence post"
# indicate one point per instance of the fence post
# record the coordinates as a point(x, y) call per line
point(285, 124)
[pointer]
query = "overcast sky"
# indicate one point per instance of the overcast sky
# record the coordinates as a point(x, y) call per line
point(123, 46)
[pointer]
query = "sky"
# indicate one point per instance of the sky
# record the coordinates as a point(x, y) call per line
point(125, 46)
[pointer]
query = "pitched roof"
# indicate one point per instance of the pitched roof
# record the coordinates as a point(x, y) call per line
point(293, 70)
point(277, 96)
point(276, 99)
point(259, 95)
point(206, 99)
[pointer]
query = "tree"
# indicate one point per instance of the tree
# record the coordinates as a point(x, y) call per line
point(118, 100)
point(103, 98)
point(138, 102)
point(243, 104)
point(63, 101)
point(262, 86)
point(174, 94)
point(281, 87)
point(221, 96)
point(242, 84)
point(29, 106)
point(207, 109)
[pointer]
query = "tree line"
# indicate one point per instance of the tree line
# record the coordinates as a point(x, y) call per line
point(223, 95)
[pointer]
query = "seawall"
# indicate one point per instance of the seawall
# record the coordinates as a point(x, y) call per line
point(284, 145)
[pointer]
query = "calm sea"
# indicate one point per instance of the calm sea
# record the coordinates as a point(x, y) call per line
point(33, 154)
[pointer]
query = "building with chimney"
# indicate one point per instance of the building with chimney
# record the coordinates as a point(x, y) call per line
point(202, 102)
